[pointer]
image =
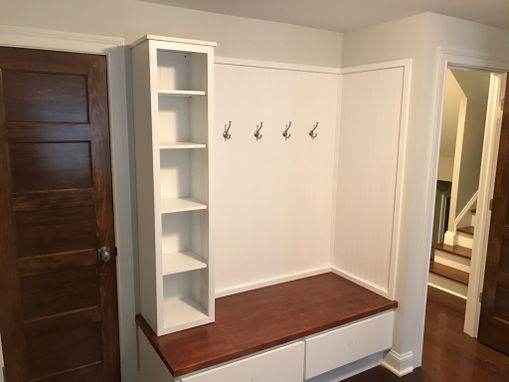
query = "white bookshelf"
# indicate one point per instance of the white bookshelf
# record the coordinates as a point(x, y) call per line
point(181, 145)
point(181, 93)
point(174, 205)
point(179, 262)
point(173, 87)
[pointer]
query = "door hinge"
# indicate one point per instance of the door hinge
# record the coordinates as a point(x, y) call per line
point(491, 204)
point(4, 374)
point(480, 296)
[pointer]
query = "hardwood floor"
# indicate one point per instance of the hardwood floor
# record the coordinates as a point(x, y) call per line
point(449, 354)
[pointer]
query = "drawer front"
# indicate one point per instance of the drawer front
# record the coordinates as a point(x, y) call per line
point(284, 364)
point(339, 347)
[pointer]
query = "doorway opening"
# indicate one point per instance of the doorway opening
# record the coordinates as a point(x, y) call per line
point(470, 131)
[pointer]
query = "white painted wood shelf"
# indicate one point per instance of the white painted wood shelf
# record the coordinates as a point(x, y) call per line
point(181, 145)
point(182, 311)
point(174, 205)
point(180, 262)
point(173, 100)
point(182, 93)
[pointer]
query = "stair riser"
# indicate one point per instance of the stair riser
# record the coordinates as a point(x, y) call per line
point(464, 239)
point(453, 261)
point(448, 285)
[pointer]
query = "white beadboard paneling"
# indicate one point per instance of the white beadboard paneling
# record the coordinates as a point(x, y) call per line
point(273, 196)
point(369, 142)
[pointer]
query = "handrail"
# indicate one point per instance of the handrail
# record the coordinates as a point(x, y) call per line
point(465, 210)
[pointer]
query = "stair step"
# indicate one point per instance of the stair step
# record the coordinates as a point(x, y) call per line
point(468, 230)
point(454, 249)
point(449, 272)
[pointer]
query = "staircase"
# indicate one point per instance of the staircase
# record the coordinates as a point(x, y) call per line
point(450, 269)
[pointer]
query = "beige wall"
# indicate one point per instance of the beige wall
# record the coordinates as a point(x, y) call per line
point(237, 37)
point(418, 37)
point(452, 101)
point(475, 85)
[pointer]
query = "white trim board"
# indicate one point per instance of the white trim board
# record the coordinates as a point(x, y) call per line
point(271, 281)
point(399, 364)
point(357, 280)
point(405, 63)
point(275, 65)
point(113, 49)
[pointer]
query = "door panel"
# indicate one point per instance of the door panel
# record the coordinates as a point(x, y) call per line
point(494, 321)
point(50, 166)
point(45, 97)
point(58, 315)
point(66, 229)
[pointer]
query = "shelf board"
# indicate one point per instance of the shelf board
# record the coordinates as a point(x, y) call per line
point(182, 93)
point(180, 311)
point(180, 262)
point(181, 145)
point(169, 206)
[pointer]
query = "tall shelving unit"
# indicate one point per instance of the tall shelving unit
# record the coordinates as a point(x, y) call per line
point(172, 94)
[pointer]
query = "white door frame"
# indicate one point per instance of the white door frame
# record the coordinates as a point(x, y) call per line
point(452, 58)
point(114, 50)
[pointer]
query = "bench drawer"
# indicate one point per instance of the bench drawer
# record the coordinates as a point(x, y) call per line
point(284, 364)
point(349, 343)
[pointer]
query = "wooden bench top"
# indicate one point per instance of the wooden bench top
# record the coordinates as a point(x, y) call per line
point(263, 318)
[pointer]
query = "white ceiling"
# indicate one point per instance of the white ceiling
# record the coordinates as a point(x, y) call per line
point(343, 15)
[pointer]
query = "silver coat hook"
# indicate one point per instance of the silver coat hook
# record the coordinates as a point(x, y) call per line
point(312, 132)
point(257, 133)
point(286, 134)
point(226, 132)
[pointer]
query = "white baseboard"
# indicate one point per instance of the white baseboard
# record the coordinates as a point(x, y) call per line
point(399, 364)
point(272, 281)
point(361, 282)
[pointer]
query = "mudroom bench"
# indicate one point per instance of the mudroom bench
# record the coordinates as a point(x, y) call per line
point(319, 328)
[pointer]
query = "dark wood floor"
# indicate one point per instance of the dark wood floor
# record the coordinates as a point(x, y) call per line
point(449, 354)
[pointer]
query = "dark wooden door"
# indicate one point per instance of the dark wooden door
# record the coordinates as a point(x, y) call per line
point(494, 322)
point(58, 304)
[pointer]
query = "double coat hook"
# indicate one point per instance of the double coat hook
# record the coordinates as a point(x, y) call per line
point(257, 133)
point(312, 132)
point(226, 132)
point(286, 134)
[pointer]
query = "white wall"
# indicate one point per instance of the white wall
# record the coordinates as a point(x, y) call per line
point(237, 37)
point(418, 37)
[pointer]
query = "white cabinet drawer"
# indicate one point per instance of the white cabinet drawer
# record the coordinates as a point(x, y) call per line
point(284, 364)
point(338, 347)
